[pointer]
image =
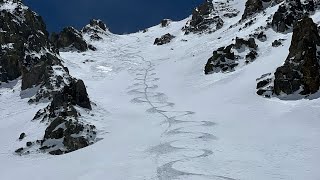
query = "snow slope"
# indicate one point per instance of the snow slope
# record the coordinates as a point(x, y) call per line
point(161, 118)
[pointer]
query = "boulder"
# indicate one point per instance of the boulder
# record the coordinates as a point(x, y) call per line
point(19, 151)
point(22, 136)
point(28, 144)
point(165, 22)
point(277, 42)
point(165, 39)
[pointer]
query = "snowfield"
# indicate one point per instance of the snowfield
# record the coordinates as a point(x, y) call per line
point(159, 116)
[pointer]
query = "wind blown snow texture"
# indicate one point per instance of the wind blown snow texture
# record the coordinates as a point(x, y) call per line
point(161, 118)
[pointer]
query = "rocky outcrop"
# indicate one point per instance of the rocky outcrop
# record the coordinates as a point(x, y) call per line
point(300, 74)
point(225, 59)
point(222, 60)
point(69, 39)
point(277, 42)
point(203, 19)
point(165, 23)
point(65, 133)
point(26, 52)
point(290, 12)
point(165, 39)
point(95, 29)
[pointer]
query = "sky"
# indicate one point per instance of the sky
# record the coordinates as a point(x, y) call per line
point(121, 16)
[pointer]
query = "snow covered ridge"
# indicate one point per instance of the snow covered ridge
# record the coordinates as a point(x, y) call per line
point(27, 54)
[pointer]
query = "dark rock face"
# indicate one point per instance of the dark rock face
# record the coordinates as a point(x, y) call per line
point(256, 6)
point(202, 20)
point(69, 39)
point(26, 52)
point(252, 7)
point(75, 93)
point(290, 12)
point(301, 72)
point(240, 43)
point(224, 59)
point(301, 68)
point(20, 42)
point(165, 39)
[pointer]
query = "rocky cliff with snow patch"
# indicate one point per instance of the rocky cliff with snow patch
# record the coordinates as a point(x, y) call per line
point(27, 53)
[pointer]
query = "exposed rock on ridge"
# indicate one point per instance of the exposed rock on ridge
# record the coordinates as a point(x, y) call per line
point(95, 29)
point(255, 6)
point(290, 12)
point(69, 39)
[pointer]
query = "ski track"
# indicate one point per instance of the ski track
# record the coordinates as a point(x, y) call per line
point(145, 91)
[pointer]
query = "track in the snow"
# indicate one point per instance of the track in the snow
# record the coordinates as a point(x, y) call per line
point(144, 90)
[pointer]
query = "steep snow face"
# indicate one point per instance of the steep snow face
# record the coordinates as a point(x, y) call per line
point(160, 117)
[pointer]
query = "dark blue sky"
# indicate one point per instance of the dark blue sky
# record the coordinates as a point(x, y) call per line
point(121, 16)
